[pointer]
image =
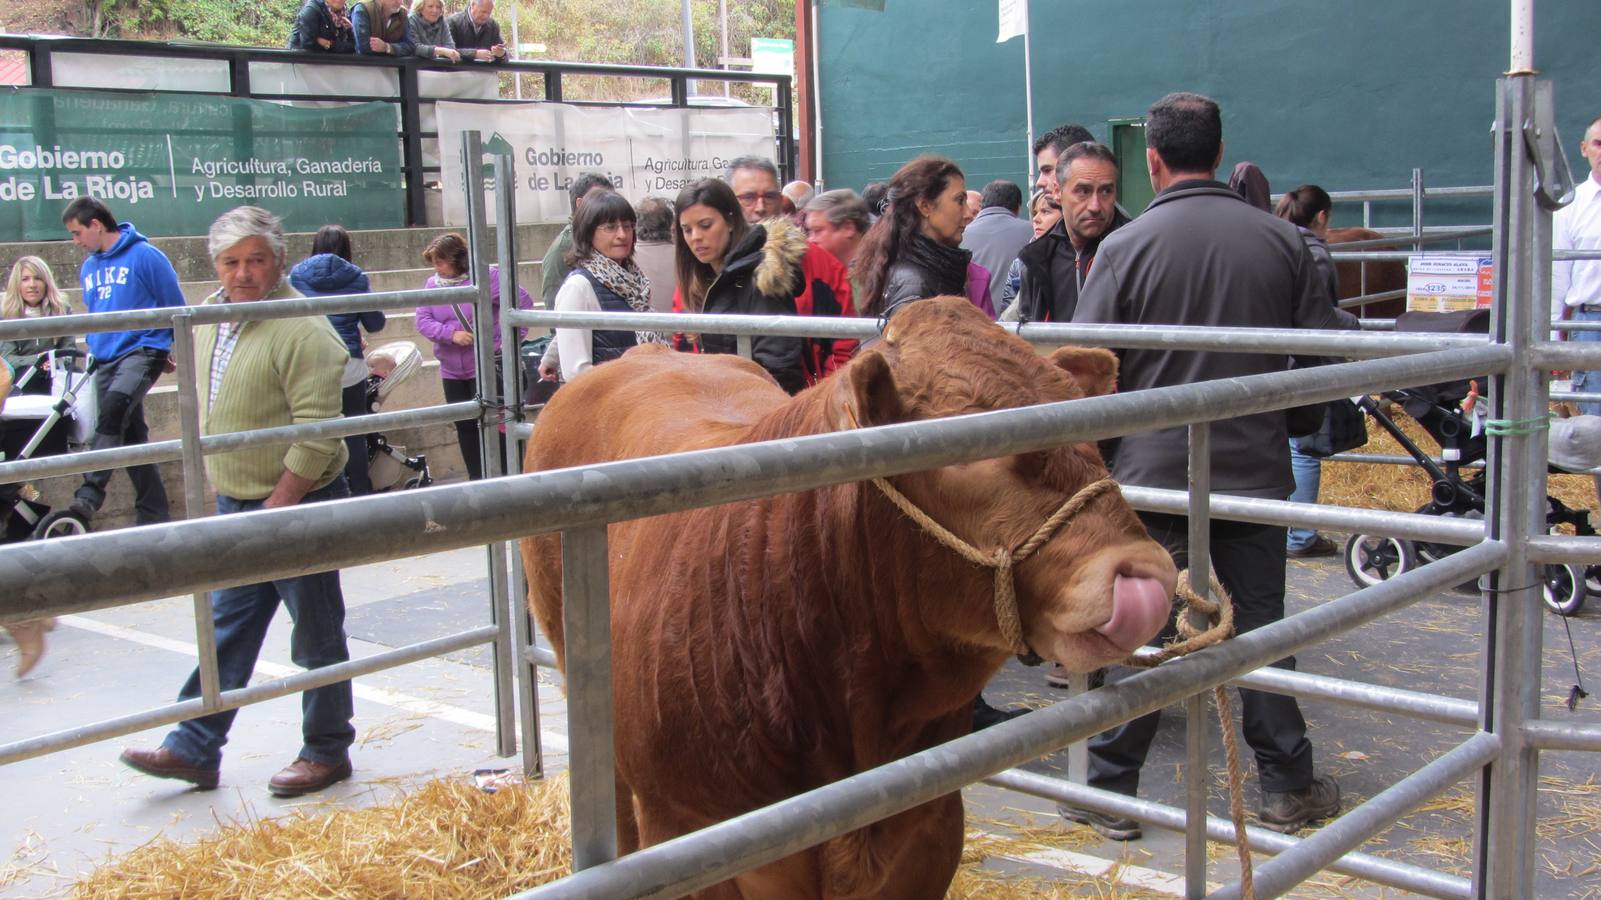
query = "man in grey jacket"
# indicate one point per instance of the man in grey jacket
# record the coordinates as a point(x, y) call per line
point(1200, 255)
point(996, 233)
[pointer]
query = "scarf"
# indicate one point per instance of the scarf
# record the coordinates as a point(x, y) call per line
point(946, 266)
point(628, 282)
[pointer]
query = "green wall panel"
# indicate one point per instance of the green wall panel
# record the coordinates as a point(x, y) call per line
point(1348, 95)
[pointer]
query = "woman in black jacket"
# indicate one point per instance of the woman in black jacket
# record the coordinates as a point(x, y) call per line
point(914, 250)
point(727, 266)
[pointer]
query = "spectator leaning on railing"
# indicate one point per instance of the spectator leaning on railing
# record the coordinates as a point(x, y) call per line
point(323, 27)
point(475, 30)
point(430, 33)
point(380, 27)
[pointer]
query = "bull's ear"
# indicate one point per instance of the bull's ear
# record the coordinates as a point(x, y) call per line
point(1094, 368)
point(871, 395)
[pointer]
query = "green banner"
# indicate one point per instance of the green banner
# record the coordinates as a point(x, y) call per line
point(171, 163)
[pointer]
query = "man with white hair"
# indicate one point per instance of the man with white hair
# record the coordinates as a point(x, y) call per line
point(253, 375)
point(475, 31)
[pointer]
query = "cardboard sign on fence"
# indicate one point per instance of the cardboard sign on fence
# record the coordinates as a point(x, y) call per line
point(1440, 283)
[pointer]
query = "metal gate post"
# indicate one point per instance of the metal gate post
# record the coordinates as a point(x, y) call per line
point(489, 457)
point(524, 671)
point(1417, 210)
point(1514, 509)
point(194, 495)
point(1197, 780)
point(586, 621)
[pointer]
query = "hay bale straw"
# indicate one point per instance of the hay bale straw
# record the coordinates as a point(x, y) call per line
point(451, 840)
point(447, 840)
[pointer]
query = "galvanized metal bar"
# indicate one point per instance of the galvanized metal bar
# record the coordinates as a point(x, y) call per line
point(1388, 255)
point(1316, 851)
point(713, 854)
point(490, 396)
point(1365, 299)
point(1575, 255)
point(539, 656)
point(1360, 865)
point(156, 561)
point(1544, 734)
point(1566, 355)
point(167, 451)
point(1414, 236)
point(1417, 207)
point(586, 619)
point(1565, 548)
point(1351, 344)
point(1413, 526)
point(511, 649)
point(1395, 459)
point(256, 693)
point(212, 314)
point(194, 498)
point(742, 345)
point(1413, 704)
point(1515, 507)
point(1196, 776)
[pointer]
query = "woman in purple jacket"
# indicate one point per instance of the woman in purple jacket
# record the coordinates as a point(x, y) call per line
point(449, 327)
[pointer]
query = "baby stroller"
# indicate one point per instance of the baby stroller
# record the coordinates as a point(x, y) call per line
point(388, 466)
point(1370, 559)
point(48, 422)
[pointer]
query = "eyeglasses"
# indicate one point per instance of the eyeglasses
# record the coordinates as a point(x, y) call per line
point(615, 227)
point(749, 199)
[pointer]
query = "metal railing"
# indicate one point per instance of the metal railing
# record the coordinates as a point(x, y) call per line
point(142, 563)
point(193, 447)
point(408, 96)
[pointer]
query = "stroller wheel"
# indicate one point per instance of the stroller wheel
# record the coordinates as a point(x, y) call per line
point(61, 523)
point(1564, 589)
point(1371, 559)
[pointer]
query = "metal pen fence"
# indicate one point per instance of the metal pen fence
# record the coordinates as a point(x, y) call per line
point(193, 447)
point(1502, 754)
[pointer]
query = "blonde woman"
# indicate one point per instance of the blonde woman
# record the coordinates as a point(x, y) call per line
point(31, 291)
point(431, 33)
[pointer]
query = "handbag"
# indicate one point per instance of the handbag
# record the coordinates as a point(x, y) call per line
point(500, 365)
point(1344, 428)
point(1304, 421)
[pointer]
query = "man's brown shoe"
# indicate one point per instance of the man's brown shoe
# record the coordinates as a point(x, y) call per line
point(163, 763)
point(304, 776)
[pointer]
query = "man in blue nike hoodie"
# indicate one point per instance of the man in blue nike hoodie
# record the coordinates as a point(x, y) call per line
point(123, 271)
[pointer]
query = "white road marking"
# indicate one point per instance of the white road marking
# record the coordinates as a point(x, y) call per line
point(553, 742)
point(1123, 873)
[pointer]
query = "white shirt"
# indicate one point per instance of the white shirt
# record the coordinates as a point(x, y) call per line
point(1577, 226)
point(574, 346)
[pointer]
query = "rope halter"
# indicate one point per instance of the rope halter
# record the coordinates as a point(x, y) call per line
point(1002, 560)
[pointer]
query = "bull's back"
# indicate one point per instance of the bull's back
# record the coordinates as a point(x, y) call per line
point(648, 402)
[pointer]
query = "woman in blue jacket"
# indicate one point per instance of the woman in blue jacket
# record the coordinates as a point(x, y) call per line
point(329, 271)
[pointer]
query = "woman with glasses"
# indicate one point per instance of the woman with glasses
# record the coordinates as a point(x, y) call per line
point(727, 265)
point(604, 277)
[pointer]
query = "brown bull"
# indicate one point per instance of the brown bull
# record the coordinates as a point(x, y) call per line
point(1381, 276)
point(765, 648)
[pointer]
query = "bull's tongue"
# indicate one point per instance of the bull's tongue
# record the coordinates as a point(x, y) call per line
point(1140, 607)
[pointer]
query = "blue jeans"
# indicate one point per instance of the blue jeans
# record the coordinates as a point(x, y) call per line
point(1587, 382)
point(1308, 471)
point(241, 616)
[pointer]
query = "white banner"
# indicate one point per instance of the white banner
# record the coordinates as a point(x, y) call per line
point(1014, 20)
point(643, 151)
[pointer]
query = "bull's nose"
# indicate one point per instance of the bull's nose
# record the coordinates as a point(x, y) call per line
point(1140, 607)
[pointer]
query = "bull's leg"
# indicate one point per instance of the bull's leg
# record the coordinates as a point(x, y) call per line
point(542, 563)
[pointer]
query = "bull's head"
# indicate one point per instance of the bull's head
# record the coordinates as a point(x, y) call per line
point(1098, 587)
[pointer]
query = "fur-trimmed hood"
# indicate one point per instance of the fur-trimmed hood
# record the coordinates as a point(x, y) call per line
point(773, 249)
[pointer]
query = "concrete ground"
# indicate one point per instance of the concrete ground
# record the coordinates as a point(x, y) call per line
point(70, 811)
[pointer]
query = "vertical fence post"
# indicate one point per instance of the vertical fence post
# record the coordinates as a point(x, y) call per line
point(411, 145)
point(1514, 509)
point(489, 456)
point(1417, 209)
point(1197, 779)
point(586, 620)
point(194, 490)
